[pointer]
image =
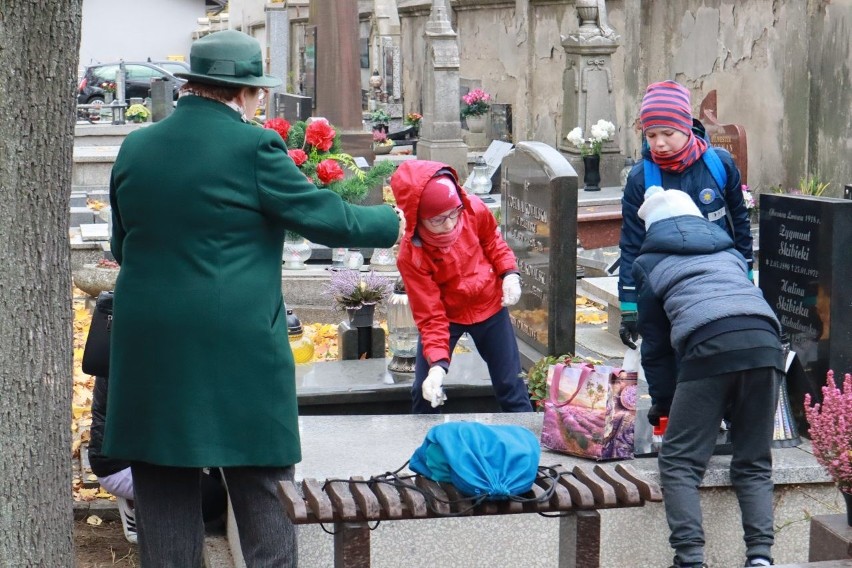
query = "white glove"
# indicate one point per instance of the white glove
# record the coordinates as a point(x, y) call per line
point(431, 387)
point(511, 289)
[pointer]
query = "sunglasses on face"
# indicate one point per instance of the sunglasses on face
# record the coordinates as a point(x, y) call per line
point(441, 219)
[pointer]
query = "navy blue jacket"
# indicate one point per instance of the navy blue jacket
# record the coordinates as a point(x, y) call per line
point(696, 180)
point(689, 278)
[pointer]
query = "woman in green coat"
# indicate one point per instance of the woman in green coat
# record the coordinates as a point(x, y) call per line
point(201, 370)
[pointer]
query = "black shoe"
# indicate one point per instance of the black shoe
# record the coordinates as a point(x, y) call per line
point(759, 561)
point(677, 564)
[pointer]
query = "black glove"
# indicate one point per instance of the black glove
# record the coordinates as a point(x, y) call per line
point(656, 412)
point(629, 330)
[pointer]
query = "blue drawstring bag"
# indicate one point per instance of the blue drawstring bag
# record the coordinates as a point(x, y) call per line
point(480, 460)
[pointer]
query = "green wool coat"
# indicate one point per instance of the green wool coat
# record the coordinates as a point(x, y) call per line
point(201, 372)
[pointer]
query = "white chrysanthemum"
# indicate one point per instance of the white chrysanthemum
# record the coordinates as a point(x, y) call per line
point(575, 137)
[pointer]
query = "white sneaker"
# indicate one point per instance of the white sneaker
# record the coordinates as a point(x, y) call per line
point(128, 519)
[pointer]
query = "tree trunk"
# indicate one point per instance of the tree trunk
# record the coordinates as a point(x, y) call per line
point(39, 46)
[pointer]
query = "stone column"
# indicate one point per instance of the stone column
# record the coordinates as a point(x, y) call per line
point(338, 96)
point(278, 43)
point(440, 132)
point(587, 85)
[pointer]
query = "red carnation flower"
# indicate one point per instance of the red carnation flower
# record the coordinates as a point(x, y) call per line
point(329, 171)
point(320, 134)
point(299, 156)
point(279, 125)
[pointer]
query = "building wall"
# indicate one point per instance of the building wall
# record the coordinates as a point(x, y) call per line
point(134, 31)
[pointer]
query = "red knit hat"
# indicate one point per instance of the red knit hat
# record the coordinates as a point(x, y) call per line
point(440, 194)
point(666, 104)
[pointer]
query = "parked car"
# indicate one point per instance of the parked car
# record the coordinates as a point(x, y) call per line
point(137, 81)
point(172, 66)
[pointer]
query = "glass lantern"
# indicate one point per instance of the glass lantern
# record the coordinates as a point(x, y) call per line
point(302, 347)
point(480, 179)
point(297, 250)
point(353, 260)
point(402, 333)
point(383, 260)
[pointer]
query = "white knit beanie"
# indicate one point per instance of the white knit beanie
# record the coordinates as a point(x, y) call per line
point(661, 204)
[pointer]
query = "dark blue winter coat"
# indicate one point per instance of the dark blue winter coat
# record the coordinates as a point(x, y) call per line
point(699, 184)
point(688, 276)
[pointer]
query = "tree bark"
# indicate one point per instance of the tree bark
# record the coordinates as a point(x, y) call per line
point(39, 47)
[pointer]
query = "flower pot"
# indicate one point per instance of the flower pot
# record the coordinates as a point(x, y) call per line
point(93, 279)
point(592, 173)
point(848, 498)
point(475, 123)
point(361, 317)
point(382, 148)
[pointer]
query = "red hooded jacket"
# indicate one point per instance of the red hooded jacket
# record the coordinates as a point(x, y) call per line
point(462, 285)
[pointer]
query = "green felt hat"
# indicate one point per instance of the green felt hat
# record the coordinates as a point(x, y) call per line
point(229, 58)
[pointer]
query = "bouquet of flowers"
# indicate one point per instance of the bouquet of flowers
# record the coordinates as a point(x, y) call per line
point(476, 103)
point(413, 119)
point(351, 290)
point(381, 139)
point(108, 87)
point(831, 430)
point(137, 113)
point(315, 149)
point(601, 131)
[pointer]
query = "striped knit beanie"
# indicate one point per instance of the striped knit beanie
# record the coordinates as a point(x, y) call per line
point(666, 104)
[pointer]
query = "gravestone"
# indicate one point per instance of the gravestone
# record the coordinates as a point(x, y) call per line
point(162, 99)
point(500, 125)
point(731, 137)
point(292, 107)
point(539, 221)
point(309, 64)
point(805, 275)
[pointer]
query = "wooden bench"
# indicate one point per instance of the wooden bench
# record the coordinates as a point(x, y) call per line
point(349, 505)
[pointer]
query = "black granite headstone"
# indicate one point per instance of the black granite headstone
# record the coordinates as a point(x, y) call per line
point(539, 221)
point(806, 276)
point(292, 107)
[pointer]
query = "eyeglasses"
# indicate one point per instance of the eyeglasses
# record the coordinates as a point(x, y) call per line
point(441, 219)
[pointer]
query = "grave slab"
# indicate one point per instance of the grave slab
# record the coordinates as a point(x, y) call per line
point(81, 216)
point(94, 232)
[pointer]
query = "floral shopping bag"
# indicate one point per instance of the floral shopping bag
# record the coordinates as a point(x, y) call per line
point(590, 412)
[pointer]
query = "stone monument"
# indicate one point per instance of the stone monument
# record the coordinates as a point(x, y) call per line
point(278, 44)
point(731, 137)
point(386, 59)
point(539, 222)
point(440, 132)
point(587, 85)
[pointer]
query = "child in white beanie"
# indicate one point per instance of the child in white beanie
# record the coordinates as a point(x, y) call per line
point(710, 342)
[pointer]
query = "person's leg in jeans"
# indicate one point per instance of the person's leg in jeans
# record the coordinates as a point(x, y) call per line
point(688, 443)
point(421, 369)
point(168, 515)
point(752, 425)
point(495, 340)
point(267, 536)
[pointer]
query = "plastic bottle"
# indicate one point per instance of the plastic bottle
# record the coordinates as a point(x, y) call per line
point(659, 431)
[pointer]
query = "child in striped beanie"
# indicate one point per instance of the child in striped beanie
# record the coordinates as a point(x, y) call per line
point(666, 117)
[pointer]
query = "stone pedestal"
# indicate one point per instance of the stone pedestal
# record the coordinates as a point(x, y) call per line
point(831, 538)
point(278, 40)
point(588, 96)
point(475, 141)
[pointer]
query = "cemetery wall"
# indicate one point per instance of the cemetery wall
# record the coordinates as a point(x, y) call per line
point(782, 69)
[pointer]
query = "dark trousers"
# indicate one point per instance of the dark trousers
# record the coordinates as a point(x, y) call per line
point(169, 515)
point(696, 413)
point(495, 340)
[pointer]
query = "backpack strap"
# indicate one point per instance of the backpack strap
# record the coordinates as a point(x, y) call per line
point(717, 170)
point(653, 175)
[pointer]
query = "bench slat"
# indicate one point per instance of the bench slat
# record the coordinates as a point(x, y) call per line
point(388, 496)
point(415, 502)
point(344, 503)
point(648, 491)
point(293, 502)
point(625, 491)
point(461, 503)
point(560, 499)
point(510, 507)
point(438, 494)
point(603, 492)
point(540, 503)
point(364, 498)
point(317, 500)
point(581, 495)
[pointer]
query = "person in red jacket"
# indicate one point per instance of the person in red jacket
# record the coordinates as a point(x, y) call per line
point(460, 275)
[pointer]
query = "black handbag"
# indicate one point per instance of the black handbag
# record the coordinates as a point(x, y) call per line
point(96, 352)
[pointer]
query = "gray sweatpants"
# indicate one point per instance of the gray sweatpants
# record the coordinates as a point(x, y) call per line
point(170, 525)
point(696, 412)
